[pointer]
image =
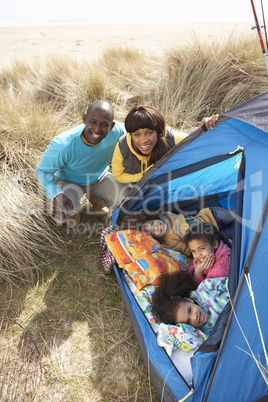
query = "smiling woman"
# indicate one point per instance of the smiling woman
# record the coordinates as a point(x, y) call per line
point(146, 141)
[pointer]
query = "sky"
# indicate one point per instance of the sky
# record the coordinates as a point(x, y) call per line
point(144, 11)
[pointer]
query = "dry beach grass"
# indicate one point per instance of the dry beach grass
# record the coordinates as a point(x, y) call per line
point(51, 279)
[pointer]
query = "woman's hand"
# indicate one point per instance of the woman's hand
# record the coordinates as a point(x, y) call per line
point(209, 122)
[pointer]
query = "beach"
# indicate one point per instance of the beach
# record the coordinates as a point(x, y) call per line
point(90, 41)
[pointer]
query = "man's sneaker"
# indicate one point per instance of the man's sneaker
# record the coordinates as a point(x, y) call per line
point(101, 210)
point(98, 209)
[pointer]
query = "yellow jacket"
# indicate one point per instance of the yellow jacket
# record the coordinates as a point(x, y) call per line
point(118, 168)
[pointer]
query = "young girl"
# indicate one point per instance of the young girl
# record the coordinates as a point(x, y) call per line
point(210, 250)
point(169, 228)
point(177, 300)
point(146, 141)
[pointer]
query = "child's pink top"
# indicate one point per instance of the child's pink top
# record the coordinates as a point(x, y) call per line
point(221, 264)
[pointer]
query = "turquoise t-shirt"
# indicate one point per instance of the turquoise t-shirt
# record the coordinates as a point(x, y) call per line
point(68, 158)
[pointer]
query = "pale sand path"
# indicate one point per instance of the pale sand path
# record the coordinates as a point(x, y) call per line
point(29, 43)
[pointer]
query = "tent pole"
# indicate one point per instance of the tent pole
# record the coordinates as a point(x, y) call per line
point(259, 34)
point(264, 26)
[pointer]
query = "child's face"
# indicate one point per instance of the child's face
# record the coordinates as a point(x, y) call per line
point(145, 140)
point(200, 249)
point(155, 228)
point(191, 314)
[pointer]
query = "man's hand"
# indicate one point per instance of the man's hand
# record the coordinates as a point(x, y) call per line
point(200, 268)
point(62, 208)
point(210, 122)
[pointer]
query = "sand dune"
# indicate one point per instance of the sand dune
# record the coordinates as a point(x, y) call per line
point(29, 43)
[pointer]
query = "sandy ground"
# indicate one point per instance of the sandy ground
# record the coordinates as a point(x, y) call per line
point(28, 43)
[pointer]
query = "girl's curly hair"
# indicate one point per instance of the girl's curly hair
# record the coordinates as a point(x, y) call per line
point(170, 293)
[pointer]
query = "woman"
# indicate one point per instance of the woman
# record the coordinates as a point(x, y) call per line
point(147, 140)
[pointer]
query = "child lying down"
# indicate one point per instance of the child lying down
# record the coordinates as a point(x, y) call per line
point(181, 340)
point(181, 314)
point(134, 251)
point(177, 301)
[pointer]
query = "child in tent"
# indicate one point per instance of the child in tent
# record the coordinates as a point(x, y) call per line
point(210, 250)
point(147, 140)
point(169, 228)
point(177, 300)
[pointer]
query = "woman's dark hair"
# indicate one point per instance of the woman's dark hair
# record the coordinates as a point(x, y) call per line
point(148, 117)
point(205, 231)
point(170, 293)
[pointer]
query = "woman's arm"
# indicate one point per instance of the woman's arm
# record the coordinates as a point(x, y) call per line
point(179, 136)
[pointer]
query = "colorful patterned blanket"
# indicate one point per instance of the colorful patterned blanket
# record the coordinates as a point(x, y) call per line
point(143, 257)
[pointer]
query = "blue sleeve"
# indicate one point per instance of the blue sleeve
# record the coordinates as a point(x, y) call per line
point(51, 162)
point(120, 128)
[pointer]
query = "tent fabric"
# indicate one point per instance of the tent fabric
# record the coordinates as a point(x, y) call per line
point(196, 173)
point(252, 112)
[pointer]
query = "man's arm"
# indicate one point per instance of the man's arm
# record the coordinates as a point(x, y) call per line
point(51, 162)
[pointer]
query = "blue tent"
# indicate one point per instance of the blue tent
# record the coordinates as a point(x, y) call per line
point(199, 172)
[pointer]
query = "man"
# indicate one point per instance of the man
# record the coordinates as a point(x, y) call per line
point(76, 162)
